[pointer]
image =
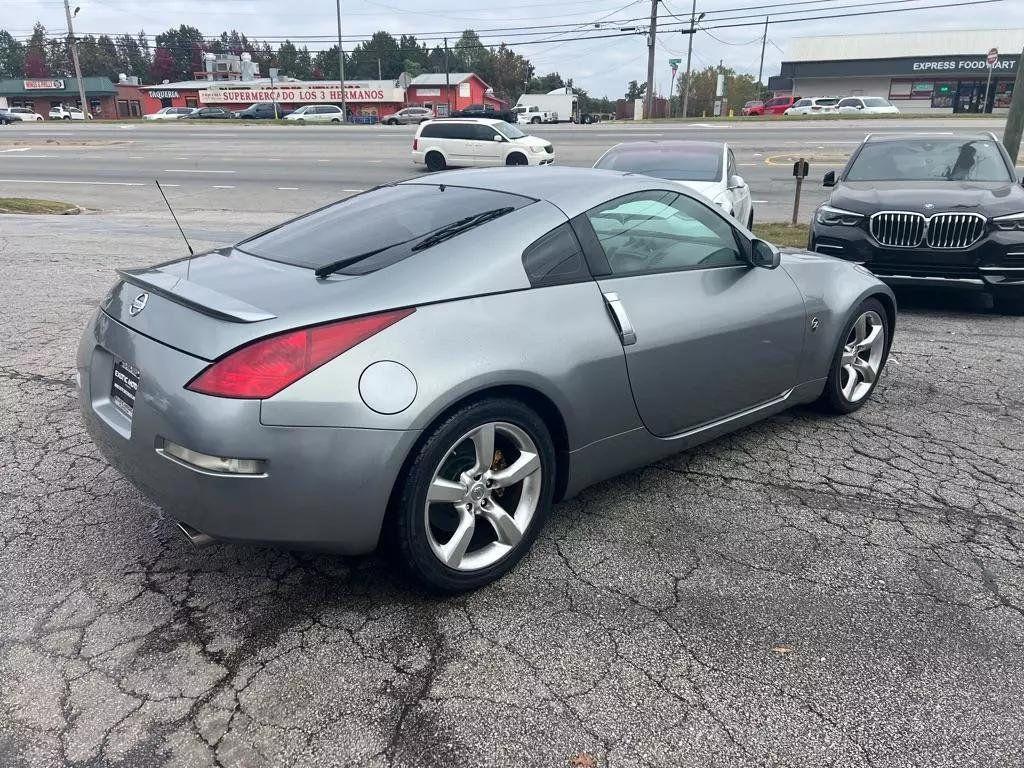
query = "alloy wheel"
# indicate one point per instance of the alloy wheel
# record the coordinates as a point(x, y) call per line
point(483, 496)
point(862, 355)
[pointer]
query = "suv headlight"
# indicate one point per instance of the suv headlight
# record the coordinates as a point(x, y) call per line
point(536, 149)
point(830, 216)
point(1014, 221)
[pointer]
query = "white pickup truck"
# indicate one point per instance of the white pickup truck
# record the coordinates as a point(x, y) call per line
point(531, 113)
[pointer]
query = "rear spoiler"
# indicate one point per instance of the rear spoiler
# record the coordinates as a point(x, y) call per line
point(194, 296)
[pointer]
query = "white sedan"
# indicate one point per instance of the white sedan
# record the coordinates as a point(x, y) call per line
point(170, 113)
point(317, 113)
point(866, 105)
point(707, 167)
point(25, 114)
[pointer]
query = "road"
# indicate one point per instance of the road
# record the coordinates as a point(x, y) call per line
point(241, 166)
point(811, 591)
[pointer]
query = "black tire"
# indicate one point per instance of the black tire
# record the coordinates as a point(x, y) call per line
point(335, 120)
point(516, 158)
point(66, 117)
point(301, 121)
point(407, 516)
point(832, 399)
point(535, 120)
point(587, 119)
point(435, 161)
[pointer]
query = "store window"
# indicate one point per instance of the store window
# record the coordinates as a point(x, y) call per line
point(911, 89)
point(1004, 94)
point(193, 103)
point(942, 96)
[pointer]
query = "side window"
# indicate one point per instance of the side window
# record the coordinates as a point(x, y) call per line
point(555, 259)
point(662, 231)
point(484, 133)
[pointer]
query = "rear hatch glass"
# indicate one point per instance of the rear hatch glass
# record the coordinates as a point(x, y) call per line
point(389, 221)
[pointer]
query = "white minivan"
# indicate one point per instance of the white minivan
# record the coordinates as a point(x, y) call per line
point(317, 113)
point(60, 112)
point(462, 141)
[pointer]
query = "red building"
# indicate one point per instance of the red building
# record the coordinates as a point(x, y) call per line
point(456, 91)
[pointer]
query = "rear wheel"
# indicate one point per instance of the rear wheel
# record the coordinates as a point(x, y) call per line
point(335, 120)
point(859, 359)
point(516, 158)
point(435, 161)
point(535, 120)
point(475, 496)
point(587, 119)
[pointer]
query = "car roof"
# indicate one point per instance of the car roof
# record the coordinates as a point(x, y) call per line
point(921, 135)
point(674, 144)
point(480, 120)
point(573, 190)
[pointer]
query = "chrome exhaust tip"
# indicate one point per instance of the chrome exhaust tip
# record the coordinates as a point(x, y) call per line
point(199, 540)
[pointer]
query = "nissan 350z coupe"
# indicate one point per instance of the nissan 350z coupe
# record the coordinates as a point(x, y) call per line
point(438, 361)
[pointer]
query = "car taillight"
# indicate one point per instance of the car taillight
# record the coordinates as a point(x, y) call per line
point(415, 144)
point(265, 367)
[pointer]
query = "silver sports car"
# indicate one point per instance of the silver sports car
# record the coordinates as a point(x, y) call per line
point(435, 362)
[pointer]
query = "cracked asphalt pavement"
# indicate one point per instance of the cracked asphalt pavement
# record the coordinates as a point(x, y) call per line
point(810, 591)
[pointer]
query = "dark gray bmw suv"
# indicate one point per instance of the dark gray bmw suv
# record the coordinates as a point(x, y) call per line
point(929, 210)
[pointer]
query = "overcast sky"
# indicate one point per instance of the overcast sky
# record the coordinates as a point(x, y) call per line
point(601, 66)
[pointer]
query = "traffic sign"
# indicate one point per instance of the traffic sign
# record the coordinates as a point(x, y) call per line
point(993, 57)
point(801, 168)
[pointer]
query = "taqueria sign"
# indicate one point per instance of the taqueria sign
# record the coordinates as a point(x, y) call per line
point(303, 94)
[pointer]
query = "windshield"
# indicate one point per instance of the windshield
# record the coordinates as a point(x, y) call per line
point(509, 131)
point(941, 159)
point(300, 111)
point(391, 218)
point(876, 103)
point(674, 163)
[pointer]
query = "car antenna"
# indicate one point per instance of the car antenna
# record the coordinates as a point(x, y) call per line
point(187, 244)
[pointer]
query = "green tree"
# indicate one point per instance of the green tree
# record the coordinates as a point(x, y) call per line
point(381, 53)
point(303, 65)
point(474, 56)
point(185, 45)
point(635, 90)
point(738, 89)
point(511, 72)
point(546, 83)
point(12, 55)
point(130, 57)
point(325, 64)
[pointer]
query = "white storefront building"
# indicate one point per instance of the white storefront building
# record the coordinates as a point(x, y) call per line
point(942, 71)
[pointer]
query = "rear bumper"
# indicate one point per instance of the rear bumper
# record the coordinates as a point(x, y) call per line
point(321, 488)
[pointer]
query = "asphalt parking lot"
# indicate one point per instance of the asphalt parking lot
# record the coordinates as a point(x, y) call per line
point(810, 591)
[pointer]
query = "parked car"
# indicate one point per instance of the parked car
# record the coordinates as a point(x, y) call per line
point(753, 108)
point(487, 112)
point(450, 143)
point(779, 104)
point(706, 167)
point(819, 105)
point(531, 114)
point(264, 110)
point(25, 114)
point(6, 118)
point(866, 105)
point(438, 361)
point(410, 116)
point(317, 113)
point(929, 211)
point(210, 113)
point(68, 113)
point(169, 113)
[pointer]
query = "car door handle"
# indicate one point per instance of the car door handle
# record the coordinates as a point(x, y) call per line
point(626, 332)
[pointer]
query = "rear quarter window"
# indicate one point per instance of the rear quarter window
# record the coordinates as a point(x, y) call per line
point(555, 259)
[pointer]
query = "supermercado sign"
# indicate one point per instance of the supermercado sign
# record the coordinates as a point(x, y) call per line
point(302, 95)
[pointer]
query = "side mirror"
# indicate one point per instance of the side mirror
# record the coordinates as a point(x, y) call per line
point(735, 182)
point(497, 137)
point(763, 254)
point(829, 180)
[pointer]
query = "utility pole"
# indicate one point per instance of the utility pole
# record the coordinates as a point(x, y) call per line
point(447, 81)
point(1015, 119)
point(378, 69)
point(764, 42)
point(694, 18)
point(341, 65)
point(73, 45)
point(651, 35)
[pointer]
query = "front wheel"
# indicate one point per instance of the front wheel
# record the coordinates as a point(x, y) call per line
point(535, 120)
point(335, 120)
point(516, 158)
point(475, 496)
point(859, 358)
